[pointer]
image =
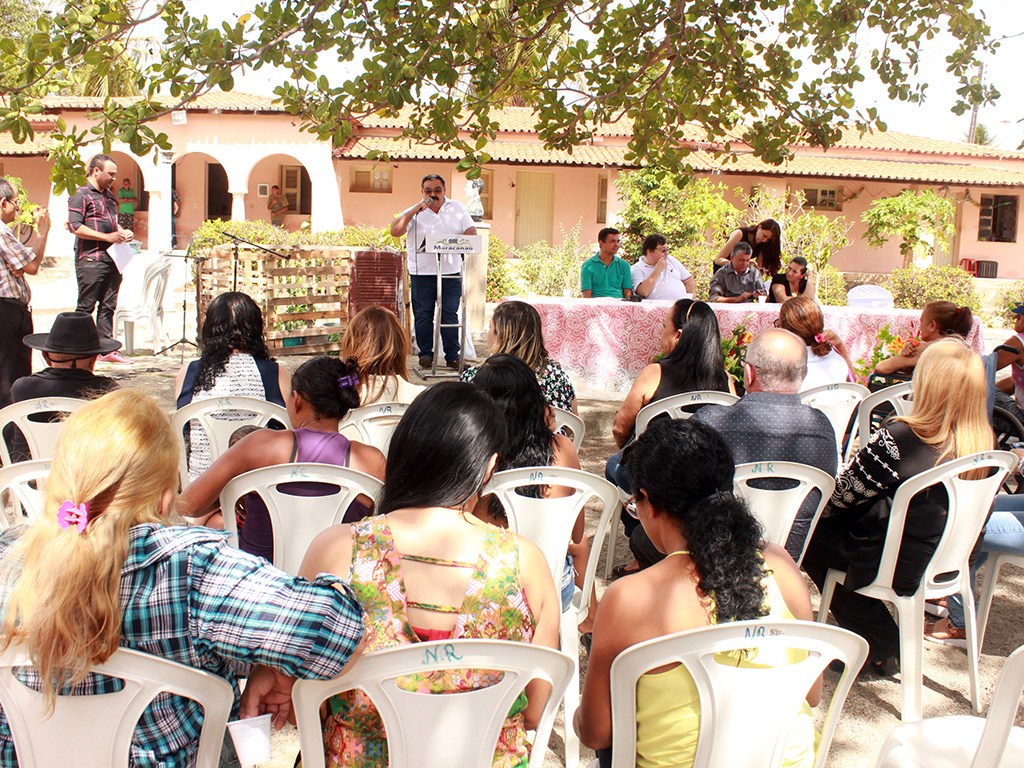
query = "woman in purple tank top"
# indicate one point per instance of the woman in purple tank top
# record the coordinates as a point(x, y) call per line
point(324, 390)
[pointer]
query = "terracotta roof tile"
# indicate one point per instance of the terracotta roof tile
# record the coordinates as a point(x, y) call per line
point(500, 151)
point(39, 145)
point(509, 120)
point(906, 142)
point(229, 101)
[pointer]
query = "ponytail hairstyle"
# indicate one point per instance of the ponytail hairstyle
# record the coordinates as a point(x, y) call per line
point(685, 469)
point(949, 318)
point(116, 457)
point(330, 385)
point(801, 316)
point(379, 342)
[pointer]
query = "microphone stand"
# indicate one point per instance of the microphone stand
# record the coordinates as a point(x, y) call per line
point(257, 246)
point(183, 342)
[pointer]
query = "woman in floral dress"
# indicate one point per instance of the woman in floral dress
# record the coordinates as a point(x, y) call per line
point(427, 569)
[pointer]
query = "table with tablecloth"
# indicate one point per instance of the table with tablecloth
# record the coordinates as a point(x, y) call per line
point(605, 343)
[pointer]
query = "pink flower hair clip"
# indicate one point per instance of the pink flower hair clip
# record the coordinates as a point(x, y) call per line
point(819, 338)
point(71, 514)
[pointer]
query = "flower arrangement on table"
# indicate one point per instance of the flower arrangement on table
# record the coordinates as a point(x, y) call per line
point(887, 344)
point(734, 349)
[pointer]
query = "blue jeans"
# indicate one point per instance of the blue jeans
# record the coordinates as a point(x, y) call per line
point(1004, 532)
point(424, 298)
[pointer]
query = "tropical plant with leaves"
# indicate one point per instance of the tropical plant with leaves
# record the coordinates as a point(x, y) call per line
point(921, 220)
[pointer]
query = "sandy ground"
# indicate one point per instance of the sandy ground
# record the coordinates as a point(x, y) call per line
point(872, 709)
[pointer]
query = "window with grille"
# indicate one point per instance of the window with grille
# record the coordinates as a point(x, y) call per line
point(823, 199)
point(602, 199)
point(370, 179)
point(997, 219)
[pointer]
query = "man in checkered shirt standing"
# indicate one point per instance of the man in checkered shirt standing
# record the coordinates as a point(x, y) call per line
point(92, 217)
point(16, 261)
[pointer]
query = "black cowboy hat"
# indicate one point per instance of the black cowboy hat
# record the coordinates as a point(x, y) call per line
point(73, 333)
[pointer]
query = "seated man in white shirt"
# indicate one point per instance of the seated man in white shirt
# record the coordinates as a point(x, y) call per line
point(659, 276)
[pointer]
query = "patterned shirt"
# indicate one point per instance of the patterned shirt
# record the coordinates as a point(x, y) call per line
point(98, 211)
point(13, 256)
point(189, 597)
point(554, 383)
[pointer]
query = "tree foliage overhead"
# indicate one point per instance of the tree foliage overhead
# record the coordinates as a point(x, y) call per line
point(770, 72)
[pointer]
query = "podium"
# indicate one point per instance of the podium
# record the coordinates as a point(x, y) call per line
point(441, 246)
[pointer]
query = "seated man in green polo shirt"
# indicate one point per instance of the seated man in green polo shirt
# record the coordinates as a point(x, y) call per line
point(605, 275)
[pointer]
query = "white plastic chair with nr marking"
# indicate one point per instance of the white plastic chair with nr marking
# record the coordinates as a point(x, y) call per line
point(736, 728)
point(375, 424)
point(41, 436)
point(777, 507)
point(220, 417)
point(24, 503)
point(677, 405)
point(96, 731)
point(297, 518)
point(569, 421)
point(968, 505)
point(432, 730)
point(837, 401)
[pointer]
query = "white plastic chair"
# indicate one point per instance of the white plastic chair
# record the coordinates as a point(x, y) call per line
point(548, 523)
point(736, 727)
point(150, 295)
point(211, 415)
point(25, 503)
point(41, 436)
point(969, 502)
point(375, 424)
point(567, 420)
point(776, 509)
point(869, 296)
point(996, 560)
point(296, 520)
point(838, 402)
point(438, 730)
point(96, 731)
point(898, 396)
point(676, 406)
point(962, 741)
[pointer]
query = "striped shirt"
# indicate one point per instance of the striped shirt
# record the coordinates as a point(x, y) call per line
point(189, 597)
point(96, 210)
point(14, 256)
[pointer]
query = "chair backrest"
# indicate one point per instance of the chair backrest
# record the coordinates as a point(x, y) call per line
point(220, 417)
point(96, 731)
point(548, 523)
point(969, 503)
point(567, 421)
point(41, 436)
point(1001, 713)
point(778, 508)
point(435, 730)
point(898, 396)
point(25, 503)
point(675, 406)
point(837, 402)
point(155, 285)
point(870, 296)
point(296, 520)
point(736, 728)
point(375, 423)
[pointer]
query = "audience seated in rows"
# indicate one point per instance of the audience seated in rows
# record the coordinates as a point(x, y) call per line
point(827, 360)
point(716, 569)
point(948, 420)
point(234, 362)
point(323, 390)
point(516, 330)
point(102, 570)
point(426, 568)
point(379, 344)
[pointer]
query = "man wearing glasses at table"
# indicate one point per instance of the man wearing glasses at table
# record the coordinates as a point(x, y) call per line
point(18, 259)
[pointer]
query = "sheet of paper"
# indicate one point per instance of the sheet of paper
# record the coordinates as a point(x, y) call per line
point(121, 253)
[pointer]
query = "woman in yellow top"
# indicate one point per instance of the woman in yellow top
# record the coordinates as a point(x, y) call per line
point(716, 569)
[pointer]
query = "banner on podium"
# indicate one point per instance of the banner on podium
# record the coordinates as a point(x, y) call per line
point(454, 243)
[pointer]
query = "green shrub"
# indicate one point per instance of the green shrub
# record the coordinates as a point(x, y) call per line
point(913, 288)
point(500, 282)
point(1007, 299)
point(211, 233)
point(549, 271)
point(831, 287)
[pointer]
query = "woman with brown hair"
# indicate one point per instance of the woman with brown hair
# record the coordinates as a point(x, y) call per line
point(938, 319)
point(379, 344)
point(827, 360)
point(766, 241)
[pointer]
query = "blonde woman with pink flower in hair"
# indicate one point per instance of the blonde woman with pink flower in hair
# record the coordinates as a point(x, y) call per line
point(827, 359)
point(102, 570)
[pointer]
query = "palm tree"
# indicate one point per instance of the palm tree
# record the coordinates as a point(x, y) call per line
point(982, 136)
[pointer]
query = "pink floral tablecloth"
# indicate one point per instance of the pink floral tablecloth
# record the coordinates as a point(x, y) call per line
point(605, 343)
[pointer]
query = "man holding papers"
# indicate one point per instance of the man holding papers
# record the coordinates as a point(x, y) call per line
point(92, 217)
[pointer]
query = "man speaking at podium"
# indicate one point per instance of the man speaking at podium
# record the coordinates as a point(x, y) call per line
point(434, 214)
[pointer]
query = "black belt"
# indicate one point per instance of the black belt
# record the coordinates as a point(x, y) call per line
point(17, 302)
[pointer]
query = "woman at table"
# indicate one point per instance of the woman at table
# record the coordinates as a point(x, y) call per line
point(827, 360)
point(516, 330)
point(797, 280)
point(716, 569)
point(938, 320)
point(766, 240)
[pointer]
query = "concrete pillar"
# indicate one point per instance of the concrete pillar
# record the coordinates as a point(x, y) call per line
point(476, 280)
point(238, 206)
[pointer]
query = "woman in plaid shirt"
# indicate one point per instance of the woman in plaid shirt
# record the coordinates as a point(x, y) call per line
point(100, 570)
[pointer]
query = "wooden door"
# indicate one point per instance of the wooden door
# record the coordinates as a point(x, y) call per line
point(535, 201)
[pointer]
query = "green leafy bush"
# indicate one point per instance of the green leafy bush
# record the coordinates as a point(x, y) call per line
point(831, 286)
point(921, 220)
point(212, 233)
point(1008, 298)
point(549, 271)
point(500, 282)
point(913, 288)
